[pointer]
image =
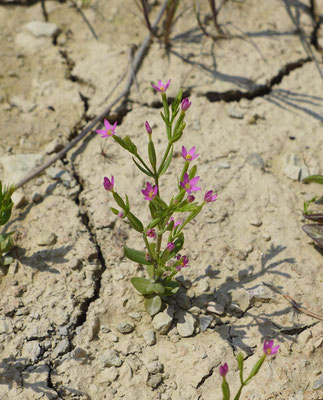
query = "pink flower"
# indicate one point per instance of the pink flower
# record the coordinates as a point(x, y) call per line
point(190, 198)
point(151, 233)
point(121, 214)
point(269, 349)
point(189, 184)
point(161, 87)
point(108, 185)
point(186, 104)
point(175, 223)
point(223, 369)
point(189, 156)
point(150, 192)
point(148, 128)
point(170, 246)
point(109, 129)
point(183, 262)
point(209, 196)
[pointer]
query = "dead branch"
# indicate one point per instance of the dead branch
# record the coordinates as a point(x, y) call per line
point(133, 70)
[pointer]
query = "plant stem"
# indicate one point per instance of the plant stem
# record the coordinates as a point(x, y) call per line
point(150, 252)
point(237, 396)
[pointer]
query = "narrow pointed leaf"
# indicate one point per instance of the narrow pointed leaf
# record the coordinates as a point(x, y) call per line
point(167, 162)
point(142, 169)
point(314, 178)
point(136, 256)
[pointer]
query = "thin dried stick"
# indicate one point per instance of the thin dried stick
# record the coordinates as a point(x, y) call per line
point(84, 18)
point(294, 303)
point(134, 68)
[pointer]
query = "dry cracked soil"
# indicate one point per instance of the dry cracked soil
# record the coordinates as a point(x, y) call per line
point(71, 324)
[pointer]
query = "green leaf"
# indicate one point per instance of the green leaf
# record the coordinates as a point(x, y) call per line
point(6, 260)
point(176, 102)
point(160, 203)
point(193, 214)
point(314, 178)
point(193, 171)
point(225, 390)
point(187, 207)
point(240, 361)
point(150, 269)
point(132, 148)
point(153, 305)
point(6, 242)
point(167, 162)
point(119, 200)
point(256, 368)
point(155, 288)
point(152, 154)
point(135, 222)
point(142, 169)
point(140, 284)
point(170, 290)
point(121, 142)
point(154, 222)
point(114, 210)
point(136, 256)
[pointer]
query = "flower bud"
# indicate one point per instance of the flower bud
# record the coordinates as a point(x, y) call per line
point(148, 128)
point(186, 104)
point(223, 369)
point(190, 198)
point(170, 246)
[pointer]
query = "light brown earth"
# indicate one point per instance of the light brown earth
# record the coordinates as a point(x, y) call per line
point(256, 120)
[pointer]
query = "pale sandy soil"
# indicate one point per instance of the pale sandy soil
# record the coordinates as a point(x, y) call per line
point(256, 120)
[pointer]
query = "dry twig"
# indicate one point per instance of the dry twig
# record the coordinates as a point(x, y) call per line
point(294, 303)
point(134, 68)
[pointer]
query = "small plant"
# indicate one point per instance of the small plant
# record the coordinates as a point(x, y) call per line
point(314, 231)
point(6, 205)
point(269, 349)
point(161, 257)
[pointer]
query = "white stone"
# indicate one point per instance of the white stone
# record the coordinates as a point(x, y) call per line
point(149, 337)
point(186, 324)
point(39, 29)
point(162, 321)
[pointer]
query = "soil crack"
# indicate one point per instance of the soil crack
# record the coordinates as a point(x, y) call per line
point(260, 90)
point(205, 377)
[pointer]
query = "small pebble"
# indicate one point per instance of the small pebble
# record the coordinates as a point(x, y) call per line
point(47, 239)
point(125, 327)
point(36, 198)
point(149, 337)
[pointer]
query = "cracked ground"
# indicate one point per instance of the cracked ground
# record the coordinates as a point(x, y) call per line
point(256, 120)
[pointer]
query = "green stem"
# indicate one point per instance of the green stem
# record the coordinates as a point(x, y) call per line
point(237, 396)
point(185, 168)
point(149, 252)
point(158, 245)
point(166, 108)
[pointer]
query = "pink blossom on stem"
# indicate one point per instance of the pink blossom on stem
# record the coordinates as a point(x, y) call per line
point(209, 196)
point(109, 129)
point(223, 369)
point(120, 214)
point(108, 184)
point(150, 192)
point(189, 156)
point(186, 104)
point(151, 233)
point(161, 87)
point(190, 198)
point(189, 184)
point(269, 349)
point(183, 262)
point(170, 246)
point(175, 223)
point(148, 128)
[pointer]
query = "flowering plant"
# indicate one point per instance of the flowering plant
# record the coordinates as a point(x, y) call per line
point(268, 348)
point(161, 258)
point(6, 205)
